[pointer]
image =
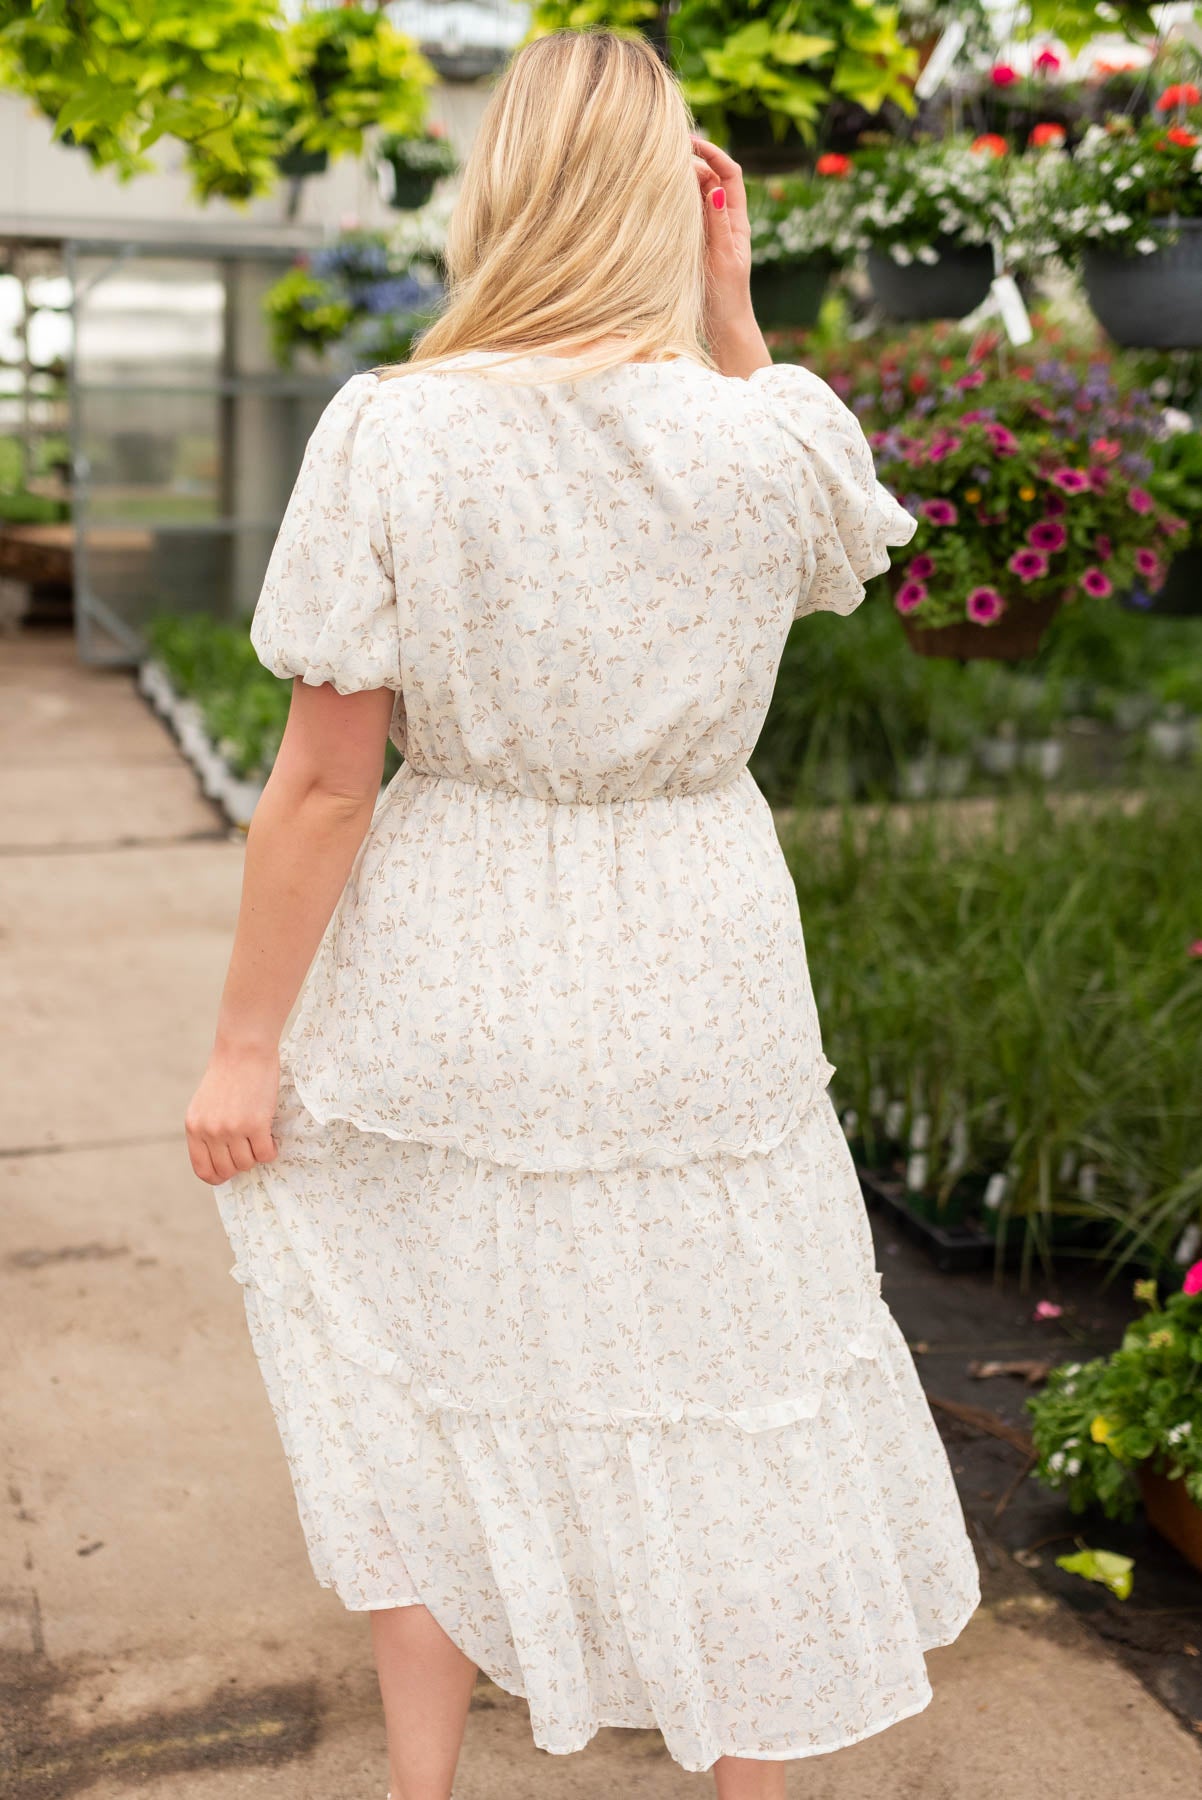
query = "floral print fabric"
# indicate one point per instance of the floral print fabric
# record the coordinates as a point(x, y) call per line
point(561, 1284)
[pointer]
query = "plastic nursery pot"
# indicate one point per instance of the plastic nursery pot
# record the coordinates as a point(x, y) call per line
point(411, 188)
point(1181, 595)
point(788, 296)
point(947, 289)
point(1017, 634)
point(1171, 1512)
point(1151, 302)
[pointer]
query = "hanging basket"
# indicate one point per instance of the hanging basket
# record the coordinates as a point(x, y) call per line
point(1151, 302)
point(1017, 634)
point(948, 289)
point(299, 163)
point(1181, 595)
point(1171, 1512)
point(788, 296)
point(406, 189)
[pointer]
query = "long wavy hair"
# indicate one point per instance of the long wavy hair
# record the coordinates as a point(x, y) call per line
point(579, 217)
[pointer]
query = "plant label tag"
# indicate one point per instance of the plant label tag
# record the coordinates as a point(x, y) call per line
point(939, 62)
point(995, 1190)
point(1010, 304)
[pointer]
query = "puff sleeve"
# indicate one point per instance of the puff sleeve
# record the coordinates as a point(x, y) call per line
point(847, 520)
point(327, 607)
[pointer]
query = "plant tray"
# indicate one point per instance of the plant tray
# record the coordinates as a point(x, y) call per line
point(952, 1248)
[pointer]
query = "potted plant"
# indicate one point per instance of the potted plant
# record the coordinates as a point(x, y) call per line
point(1128, 208)
point(364, 292)
point(1128, 1426)
point(411, 165)
point(929, 213)
point(801, 233)
point(351, 70)
point(1027, 491)
point(1176, 479)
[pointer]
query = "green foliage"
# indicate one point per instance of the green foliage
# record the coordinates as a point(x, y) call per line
point(1075, 22)
point(1129, 183)
point(780, 60)
point(1094, 1422)
point(1027, 979)
point(232, 79)
point(305, 311)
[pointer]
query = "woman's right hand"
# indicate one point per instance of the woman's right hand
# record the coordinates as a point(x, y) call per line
point(228, 1121)
point(735, 340)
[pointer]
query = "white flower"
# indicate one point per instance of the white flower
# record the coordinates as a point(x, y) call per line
point(1146, 246)
point(1178, 1432)
point(927, 253)
point(1056, 1461)
point(1175, 420)
point(901, 254)
point(1073, 1466)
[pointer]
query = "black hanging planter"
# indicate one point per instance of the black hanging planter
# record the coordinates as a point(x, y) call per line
point(947, 289)
point(788, 296)
point(297, 162)
point(411, 188)
point(1151, 302)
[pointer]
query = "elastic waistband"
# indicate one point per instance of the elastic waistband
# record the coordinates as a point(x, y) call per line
point(408, 773)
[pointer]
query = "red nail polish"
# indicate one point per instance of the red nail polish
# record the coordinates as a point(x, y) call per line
point(718, 199)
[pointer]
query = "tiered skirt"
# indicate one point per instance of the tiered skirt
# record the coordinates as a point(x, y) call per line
point(646, 1440)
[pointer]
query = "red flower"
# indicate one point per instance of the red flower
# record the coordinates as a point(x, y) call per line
point(1002, 75)
point(1047, 137)
point(918, 383)
point(1177, 134)
point(1047, 62)
point(989, 143)
point(1181, 93)
point(1106, 449)
point(832, 163)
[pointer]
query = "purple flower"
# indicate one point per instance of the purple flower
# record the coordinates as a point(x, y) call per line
point(1055, 507)
point(1071, 481)
point(1139, 500)
point(1048, 534)
point(1097, 584)
point(1028, 565)
point(939, 512)
point(910, 595)
point(921, 568)
point(985, 605)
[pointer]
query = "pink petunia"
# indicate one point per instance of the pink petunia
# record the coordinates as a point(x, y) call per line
point(1070, 481)
point(1055, 506)
point(1149, 565)
point(1047, 62)
point(1003, 75)
point(910, 596)
point(1193, 1279)
point(985, 605)
point(1097, 584)
point(1028, 565)
point(1195, 950)
point(920, 568)
point(1099, 478)
point(1004, 441)
point(973, 378)
point(1139, 500)
point(1048, 534)
point(943, 446)
point(1047, 1309)
point(939, 512)
point(1103, 548)
point(1171, 526)
point(1106, 449)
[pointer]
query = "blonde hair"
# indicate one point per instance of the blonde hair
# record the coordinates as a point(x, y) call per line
point(579, 217)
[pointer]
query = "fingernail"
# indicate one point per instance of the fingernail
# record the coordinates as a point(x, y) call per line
point(718, 199)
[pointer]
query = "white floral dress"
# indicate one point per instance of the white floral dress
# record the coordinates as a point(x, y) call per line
point(562, 1285)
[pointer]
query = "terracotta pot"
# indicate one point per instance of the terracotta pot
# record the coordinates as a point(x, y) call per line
point(1017, 634)
point(1171, 1512)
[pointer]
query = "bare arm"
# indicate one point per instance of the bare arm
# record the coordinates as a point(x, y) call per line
point(735, 340)
point(310, 820)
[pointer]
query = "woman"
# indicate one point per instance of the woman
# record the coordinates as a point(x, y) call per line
point(553, 1254)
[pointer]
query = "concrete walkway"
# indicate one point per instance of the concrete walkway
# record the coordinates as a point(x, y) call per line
point(161, 1635)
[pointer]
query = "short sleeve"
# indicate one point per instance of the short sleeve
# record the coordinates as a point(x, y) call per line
point(847, 518)
point(327, 607)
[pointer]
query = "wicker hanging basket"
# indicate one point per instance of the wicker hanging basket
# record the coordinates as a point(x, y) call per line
point(1017, 634)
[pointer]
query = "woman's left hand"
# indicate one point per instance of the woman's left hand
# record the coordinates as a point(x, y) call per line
point(734, 337)
point(228, 1122)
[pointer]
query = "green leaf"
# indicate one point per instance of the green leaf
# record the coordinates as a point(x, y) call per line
point(1106, 1566)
